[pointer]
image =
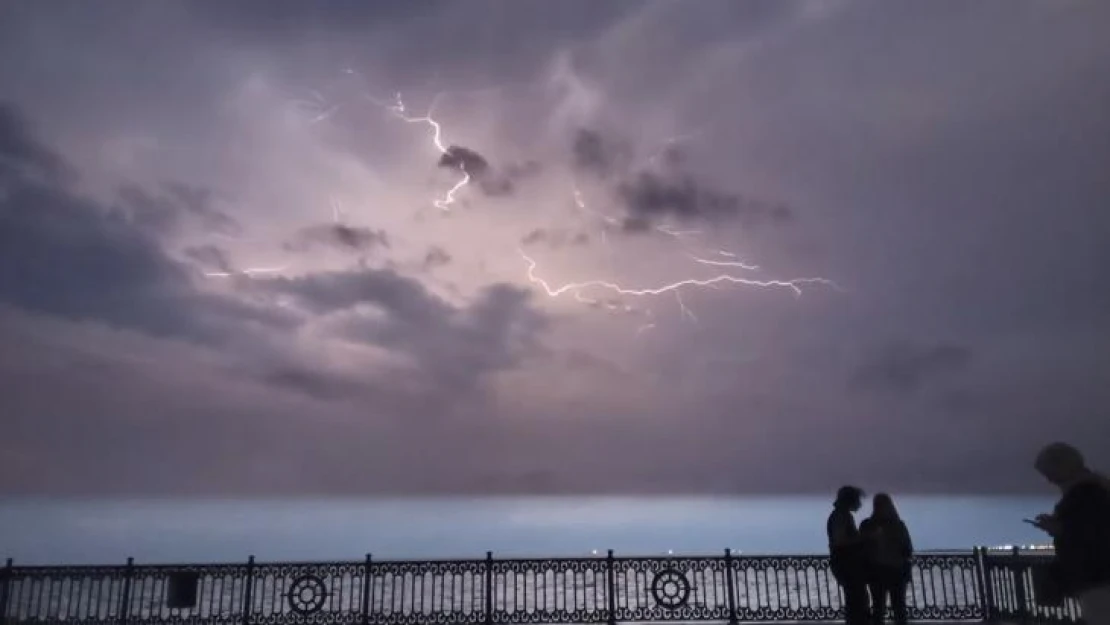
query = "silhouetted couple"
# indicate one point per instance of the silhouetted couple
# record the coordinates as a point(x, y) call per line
point(875, 556)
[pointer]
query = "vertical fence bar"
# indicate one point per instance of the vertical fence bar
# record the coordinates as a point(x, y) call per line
point(489, 588)
point(248, 591)
point(1018, 570)
point(611, 587)
point(986, 590)
point(730, 588)
point(5, 590)
point(125, 596)
point(366, 586)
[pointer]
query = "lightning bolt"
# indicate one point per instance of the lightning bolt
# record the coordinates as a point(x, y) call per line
point(586, 292)
point(249, 272)
point(681, 237)
point(682, 307)
point(337, 210)
point(398, 108)
point(794, 285)
point(725, 263)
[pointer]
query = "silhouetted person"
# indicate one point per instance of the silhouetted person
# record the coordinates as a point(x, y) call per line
point(1080, 530)
point(847, 559)
point(889, 550)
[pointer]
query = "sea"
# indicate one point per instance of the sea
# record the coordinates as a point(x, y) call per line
point(89, 531)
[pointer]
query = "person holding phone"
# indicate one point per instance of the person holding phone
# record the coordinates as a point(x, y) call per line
point(1080, 530)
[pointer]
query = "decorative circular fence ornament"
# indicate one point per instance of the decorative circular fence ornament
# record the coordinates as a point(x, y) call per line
point(670, 588)
point(307, 594)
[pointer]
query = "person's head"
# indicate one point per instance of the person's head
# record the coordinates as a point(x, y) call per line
point(882, 507)
point(849, 497)
point(1060, 463)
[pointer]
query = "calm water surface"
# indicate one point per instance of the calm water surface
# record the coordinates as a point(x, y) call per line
point(96, 531)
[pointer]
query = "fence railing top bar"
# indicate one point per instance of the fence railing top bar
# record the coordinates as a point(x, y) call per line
point(468, 562)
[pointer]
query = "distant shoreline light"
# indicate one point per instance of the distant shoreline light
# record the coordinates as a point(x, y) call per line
point(1021, 548)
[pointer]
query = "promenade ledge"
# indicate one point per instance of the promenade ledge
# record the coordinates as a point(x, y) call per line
point(957, 586)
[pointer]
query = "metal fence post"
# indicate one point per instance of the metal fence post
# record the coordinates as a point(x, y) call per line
point(611, 586)
point(366, 586)
point(248, 591)
point(983, 579)
point(5, 590)
point(730, 585)
point(125, 596)
point(489, 588)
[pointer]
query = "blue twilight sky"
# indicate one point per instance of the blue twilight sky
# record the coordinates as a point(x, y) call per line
point(44, 531)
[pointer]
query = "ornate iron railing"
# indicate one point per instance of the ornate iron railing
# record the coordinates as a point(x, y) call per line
point(967, 586)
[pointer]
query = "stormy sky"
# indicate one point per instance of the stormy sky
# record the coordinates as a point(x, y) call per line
point(820, 242)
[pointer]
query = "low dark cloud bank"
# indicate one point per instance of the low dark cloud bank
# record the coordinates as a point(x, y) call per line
point(65, 255)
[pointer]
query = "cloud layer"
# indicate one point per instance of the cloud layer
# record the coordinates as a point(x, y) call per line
point(226, 249)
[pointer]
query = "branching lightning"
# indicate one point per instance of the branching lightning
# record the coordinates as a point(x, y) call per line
point(726, 259)
point(589, 292)
point(725, 263)
point(686, 313)
point(795, 285)
point(249, 272)
point(398, 108)
point(682, 237)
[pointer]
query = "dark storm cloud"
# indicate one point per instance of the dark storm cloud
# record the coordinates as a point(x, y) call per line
point(210, 258)
point(178, 205)
point(459, 157)
point(435, 258)
point(554, 238)
point(904, 366)
point(198, 203)
point(328, 292)
point(490, 181)
point(275, 18)
point(598, 154)
point(667, 188)
point(455, 346)
point(326, 386)
point(21, 155)
point(651, 196)
point(340, 236)
point(65, 255)
point(519, 171)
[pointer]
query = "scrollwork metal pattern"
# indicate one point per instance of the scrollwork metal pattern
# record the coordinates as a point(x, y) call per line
point(307, 594)
point(670, 588)
point(949, 586)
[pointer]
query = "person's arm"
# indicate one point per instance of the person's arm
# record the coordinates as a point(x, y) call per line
point(1047, 523)
point(907, 541)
